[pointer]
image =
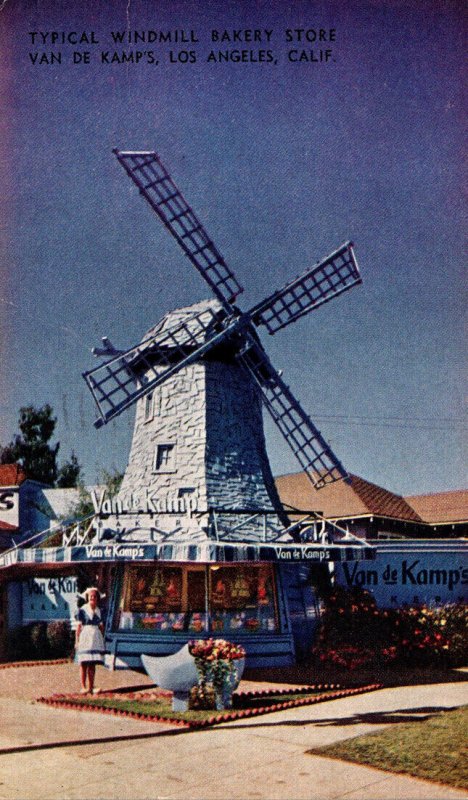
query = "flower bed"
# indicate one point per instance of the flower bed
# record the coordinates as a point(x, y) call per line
point(356, 634)
point(155, 706)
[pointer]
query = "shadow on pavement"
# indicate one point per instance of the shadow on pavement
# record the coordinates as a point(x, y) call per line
point(386, 717)
point(86, 742)
point(370, 718)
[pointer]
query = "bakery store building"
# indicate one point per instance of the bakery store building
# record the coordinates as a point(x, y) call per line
point(196, 542)
point(163, 590)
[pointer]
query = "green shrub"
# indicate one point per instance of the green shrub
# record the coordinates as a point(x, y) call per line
point(60, 638)
point(41, 640)
point(19, 643)
point(38, 638)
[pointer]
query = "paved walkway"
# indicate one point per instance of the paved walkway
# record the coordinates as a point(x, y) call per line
point(48, 753)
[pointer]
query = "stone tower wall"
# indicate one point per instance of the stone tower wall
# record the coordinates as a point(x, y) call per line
point(210, 415)
point(178, 418)
point(236, 460)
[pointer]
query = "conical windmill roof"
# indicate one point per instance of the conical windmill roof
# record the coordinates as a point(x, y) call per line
point(184, 323)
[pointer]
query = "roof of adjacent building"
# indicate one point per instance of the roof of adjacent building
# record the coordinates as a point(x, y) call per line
point(442, 507)
point(6, 526)
point(361, 498)
point(11, 475)
point(340, 500)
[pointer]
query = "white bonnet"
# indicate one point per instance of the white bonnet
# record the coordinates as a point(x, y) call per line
point(86, 593)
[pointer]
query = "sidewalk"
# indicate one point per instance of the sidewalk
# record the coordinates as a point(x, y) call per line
point(48, 753)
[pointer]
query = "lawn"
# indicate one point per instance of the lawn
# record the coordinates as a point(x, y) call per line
point(157, 705)
point(162, 706)
point(434, 749)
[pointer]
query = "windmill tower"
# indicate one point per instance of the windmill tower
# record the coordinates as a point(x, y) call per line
point(198, 441)
point(198, 466)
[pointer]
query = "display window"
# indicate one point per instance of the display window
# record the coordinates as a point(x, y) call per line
point(197, 599)
point(242, 598)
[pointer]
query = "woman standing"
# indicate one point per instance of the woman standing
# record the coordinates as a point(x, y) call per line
point(89, 639)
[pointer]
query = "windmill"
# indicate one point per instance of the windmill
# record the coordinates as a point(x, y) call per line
point(197, 334)
point(198, 521)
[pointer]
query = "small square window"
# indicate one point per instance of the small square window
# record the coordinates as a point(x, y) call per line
point(164, 458)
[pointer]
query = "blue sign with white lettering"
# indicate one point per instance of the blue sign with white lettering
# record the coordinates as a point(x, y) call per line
point(411, 573)
point(49, 598)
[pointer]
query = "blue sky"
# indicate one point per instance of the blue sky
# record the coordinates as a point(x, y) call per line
point(282, 162)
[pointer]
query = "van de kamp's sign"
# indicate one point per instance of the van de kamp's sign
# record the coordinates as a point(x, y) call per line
point(432, 577)
point(145, 502)
point(272, 553)
point(49, 598)
point(409, 573)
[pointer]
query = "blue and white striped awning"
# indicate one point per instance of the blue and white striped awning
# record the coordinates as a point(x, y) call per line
point(201, 552)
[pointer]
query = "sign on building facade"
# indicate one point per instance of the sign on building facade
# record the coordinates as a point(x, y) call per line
point(9, 506)
point(46, 599)
point(411, 573)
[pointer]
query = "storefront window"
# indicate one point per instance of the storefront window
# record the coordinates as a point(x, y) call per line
point(242, 598)
point(197, 599)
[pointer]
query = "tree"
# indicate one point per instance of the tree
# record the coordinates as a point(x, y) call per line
point(31, 448)
point(69, 473)
point(111, 481)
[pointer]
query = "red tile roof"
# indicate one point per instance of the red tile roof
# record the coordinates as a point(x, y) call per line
point(442, 507)
point(5, 526)
point(11, 475)
point(340, 500)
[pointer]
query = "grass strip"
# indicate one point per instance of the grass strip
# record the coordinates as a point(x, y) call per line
point(162, 706)
point(434, 749)
point(159, 707)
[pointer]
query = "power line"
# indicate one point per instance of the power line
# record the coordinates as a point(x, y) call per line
point(427, 423)
point(399, 419)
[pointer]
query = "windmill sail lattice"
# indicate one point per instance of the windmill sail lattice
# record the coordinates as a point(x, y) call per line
point(117, 384)
point(122, 380)
point(328, 279)
point(157, 186)
point(305, 440)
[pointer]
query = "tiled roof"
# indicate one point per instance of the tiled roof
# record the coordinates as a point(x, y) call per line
point(382, 502)
point(442, 507)
point(11, 475)
point(5, 526)
point(342, 500)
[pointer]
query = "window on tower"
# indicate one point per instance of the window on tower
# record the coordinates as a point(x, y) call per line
point(149, 407)
point(164, 458)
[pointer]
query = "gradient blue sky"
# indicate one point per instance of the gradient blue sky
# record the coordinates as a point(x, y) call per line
point(282, 163)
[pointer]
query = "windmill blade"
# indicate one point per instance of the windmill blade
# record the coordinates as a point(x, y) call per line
point(334, 275)
point(305, 440)
point(156, 185)
point(107, 349)
point(120, 382)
